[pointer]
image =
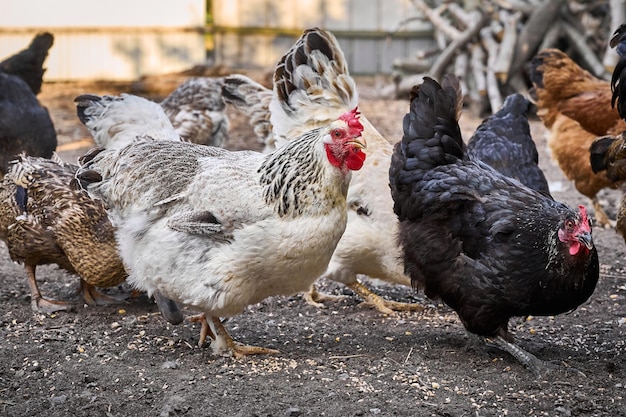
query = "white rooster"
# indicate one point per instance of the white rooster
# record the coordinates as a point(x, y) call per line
point(219, 230)
point(312, 86)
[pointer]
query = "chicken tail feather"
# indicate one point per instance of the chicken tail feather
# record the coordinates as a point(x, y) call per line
point(618, 80)
point(432, 137)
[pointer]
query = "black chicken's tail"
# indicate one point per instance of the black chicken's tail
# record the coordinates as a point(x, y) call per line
point(28, 63)
point(618, 80)
point(432, 136)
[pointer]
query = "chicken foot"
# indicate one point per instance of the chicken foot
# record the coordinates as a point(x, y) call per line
point(530, 361)
point(222, 341)
point(315, 298)
point(169, 309)
point(602, 219)
point(38, 303)
point(374, 300)
point(93, 297)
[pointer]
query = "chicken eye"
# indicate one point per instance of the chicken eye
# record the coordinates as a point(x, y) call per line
point(337, 133)
point(569, 224)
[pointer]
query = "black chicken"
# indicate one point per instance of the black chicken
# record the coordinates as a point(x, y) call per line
point(25, 126)
point(503, 141)
point(488, 246)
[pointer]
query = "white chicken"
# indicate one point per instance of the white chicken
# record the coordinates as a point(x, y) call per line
point(312, 86)
point(116, 121)
point(219, 230)
point(194, 111)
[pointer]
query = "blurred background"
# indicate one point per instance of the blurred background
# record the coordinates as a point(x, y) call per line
point(487, 43)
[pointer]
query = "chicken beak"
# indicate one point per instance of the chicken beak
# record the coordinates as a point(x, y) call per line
point(586, 239)
point(358, 143)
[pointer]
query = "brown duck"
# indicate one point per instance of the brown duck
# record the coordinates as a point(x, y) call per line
point(43, 220)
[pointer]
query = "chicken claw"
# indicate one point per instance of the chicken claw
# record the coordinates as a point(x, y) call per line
point(222, 341)
point(388, 307)
point(530, 361)
point(384, 306)
point(315, 298)
point(38, 303)
point(93, 297)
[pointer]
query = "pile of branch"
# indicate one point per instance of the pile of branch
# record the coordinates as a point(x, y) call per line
point(488, 43)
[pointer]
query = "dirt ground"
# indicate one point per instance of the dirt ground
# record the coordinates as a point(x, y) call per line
point(344, 360)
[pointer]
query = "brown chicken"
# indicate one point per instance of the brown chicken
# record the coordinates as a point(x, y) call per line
point(564, 93)
point(608, 153)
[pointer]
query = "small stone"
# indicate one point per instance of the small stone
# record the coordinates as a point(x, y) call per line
point(58, 400)
point(170, 365)
point(293, 412)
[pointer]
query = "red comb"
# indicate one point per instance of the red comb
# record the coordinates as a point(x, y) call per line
point(352, 119)
point(583, 214)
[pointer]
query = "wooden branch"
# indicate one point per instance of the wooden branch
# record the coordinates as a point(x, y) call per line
point(477, 64)
point(533, 32)
point(503, 61)
point(493, 88)
point(434, 15)
point(516, 6)
point(618, 13)
point(456, 45)
point(460, 14)
point(551, 38)
point(578, 41)
point(461, 64)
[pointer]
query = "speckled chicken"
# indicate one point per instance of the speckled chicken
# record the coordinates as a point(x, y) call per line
point(252, 99)
point(25, 125)
point(219, 230)
point(488, 246)
point(45, 221)
point(196, 110)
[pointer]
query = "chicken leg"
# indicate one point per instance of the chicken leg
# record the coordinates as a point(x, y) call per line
point(38, 303)
point(222, 341)
point(388, 307)
point(602, 219)
point(530, 361)
point(93, 297)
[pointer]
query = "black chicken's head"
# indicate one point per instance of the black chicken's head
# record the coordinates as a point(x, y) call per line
point(575, 232)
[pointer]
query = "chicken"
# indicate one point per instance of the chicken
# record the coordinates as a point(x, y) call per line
point(28, 63)
point(503, 141)
point(25, 125)
point(254, 100)
point(219, 230)
point(564, 94)
point(486, 245)
point(44, 221)
point(116, 121)
point(608, 153)
point(196, 109)
point(312, 87)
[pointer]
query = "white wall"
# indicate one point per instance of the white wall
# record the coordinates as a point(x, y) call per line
point(112, 39)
